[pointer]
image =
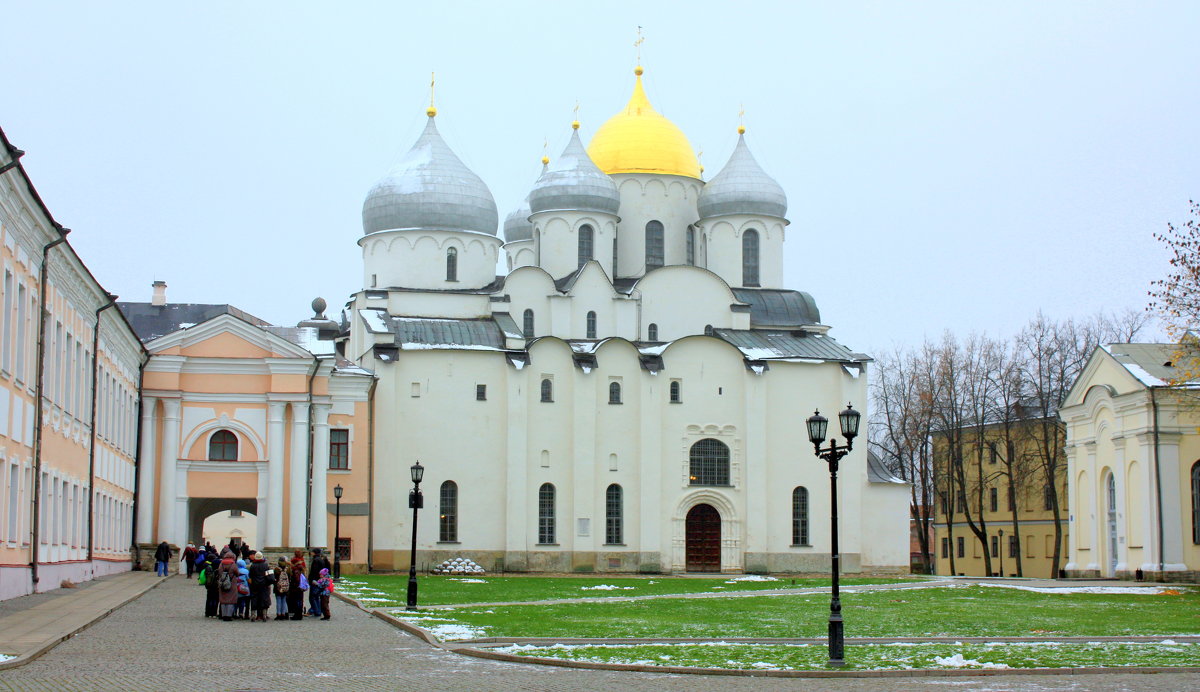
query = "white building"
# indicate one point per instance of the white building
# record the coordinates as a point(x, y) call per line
point(631, 396)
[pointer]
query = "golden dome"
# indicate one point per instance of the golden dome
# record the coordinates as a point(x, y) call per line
point(640, 140)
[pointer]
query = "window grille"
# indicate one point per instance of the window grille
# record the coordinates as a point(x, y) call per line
point(750, 258)
point(676, 393)
point(614, 392)
point(528, 318)
point(344, 549)
point(591, 324)
point(546, 514)
point(709, 463)
point(691, 246)
point(481, 392)
point(652, 332)
point(547, 390)
point(613, 529)
point(654, 245)
point(452, 264)
point(448, 517)
point(586, 237)
point(800, 516)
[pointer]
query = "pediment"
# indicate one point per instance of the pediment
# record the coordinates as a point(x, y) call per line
point(226, 336)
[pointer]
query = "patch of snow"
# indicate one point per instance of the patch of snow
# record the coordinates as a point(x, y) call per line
point(586, 369)
point(605, 587)
point(374, 320)
point(6, 657)
point(471, 581)
point(852, 372)
point(456, 631)
point(414, 346)
point(185, 325)
point(957, 661)
point(1131, 590)
point(518, 364)
point(761, 664)
point(1143, 376)
point(757, 368)
point(372, 599)
point(752, 577)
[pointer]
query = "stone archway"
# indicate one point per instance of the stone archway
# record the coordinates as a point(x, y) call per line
point(200, 508)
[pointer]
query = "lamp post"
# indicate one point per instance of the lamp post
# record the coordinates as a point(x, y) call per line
point(337, 533)
point(416, 501)
point(817, 426)
point(1000, 550)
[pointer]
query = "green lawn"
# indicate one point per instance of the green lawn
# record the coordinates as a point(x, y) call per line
point(881, 657)
point(384, 590)
point(952, 612)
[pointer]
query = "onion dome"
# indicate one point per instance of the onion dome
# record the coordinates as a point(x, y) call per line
point(573, 182)
point(430, 189)
point(517, 225)
point(640, 140)
point(742, 187)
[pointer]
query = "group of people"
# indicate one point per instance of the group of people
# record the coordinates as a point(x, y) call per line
point(239, 583)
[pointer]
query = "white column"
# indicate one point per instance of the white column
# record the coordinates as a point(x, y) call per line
point(274, 495)
point(319, 502)
point(148, 459)
point(297, 490)
point(170, 460)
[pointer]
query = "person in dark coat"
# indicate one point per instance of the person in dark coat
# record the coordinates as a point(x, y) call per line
point(189, 559)
point(246, 552)
point(227, 598)
point(212, 593)
point(295, 596)
point(162, 557)
point(319, 562)
point(260, 587)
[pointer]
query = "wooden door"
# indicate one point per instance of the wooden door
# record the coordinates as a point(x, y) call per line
point(703, 539)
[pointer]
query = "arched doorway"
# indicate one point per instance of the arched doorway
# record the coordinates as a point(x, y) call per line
point(244, 521)
point(703, 539)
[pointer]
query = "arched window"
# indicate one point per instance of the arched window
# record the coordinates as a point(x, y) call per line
point(448, 521)
point(452, 264)
point(750, 258)
point(1196, 503)
point(223, 446)
point(652, 332)
point(691, 246)
point(585, 244)
point(613, 529)
point(676, 393)
point(614, 392)
point(591, 324)
point(800, 516)
point(546, 513)
point(709, 463)
point(614, 274)
point(547, 390)
point(654, 245)
point(537, 247)
point(528, 330)
point(708, 330)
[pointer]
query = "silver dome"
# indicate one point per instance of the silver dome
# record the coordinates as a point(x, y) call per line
point(742, 187)
point(430, 189)
point(573, 182)
point(517, 225)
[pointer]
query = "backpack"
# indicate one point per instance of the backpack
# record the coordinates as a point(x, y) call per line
point(282, 583)
point(225, 583)
point(203, 578)
point(303, 582)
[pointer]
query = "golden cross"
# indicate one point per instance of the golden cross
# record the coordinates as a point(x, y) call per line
point(432, 80)
point(577, 109)
point(638, 45)
point(741, 114)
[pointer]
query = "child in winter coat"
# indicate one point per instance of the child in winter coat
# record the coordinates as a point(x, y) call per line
point(243, 601)
point(323, 588)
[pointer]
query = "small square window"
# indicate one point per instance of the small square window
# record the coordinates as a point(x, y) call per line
point(344, 549)
point(481, 392)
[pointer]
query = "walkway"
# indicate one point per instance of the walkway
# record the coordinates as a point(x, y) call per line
point(161, 641)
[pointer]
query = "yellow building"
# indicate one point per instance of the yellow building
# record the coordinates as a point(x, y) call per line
point(1016, 518)
point(1134, 464)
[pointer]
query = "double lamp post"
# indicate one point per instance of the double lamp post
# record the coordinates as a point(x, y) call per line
point(818, 425)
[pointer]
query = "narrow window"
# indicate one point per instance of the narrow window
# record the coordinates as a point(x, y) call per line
point(452, 264)
point(709, 463)
point(995, 546)
point(1048, 496)
point(962, 504)
point(1014, 546)
point(22, 318)
point(546, 514)
point(223, 446)
point(945, 547)
point(613, 529)
point(993, 499)
point(961, 548)
point(6, 357)
point(547, 390)
point(448, 526)
point(528, 332)
point(676, 393)
point(1012, 500)
point(591, 324)
point(691, 246)
point(652, 332)
point(481, 392)
point(339, 448)
point(1196, 503)
point(586, 237)
point(614, 392)
point(654, 245)
point(995, 455)
point(750, 258)
point(800, 516)
point(614, 274)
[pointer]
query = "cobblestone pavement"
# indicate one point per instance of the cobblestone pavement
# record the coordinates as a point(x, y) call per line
point(162, 642)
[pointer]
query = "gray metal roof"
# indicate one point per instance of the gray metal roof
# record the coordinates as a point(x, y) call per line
point(431, 189)
point(772, 344)
point(742, 187)
point(771, 307)
point(152, 321)
point(877, 472)
point(517, 225)
point(429, 333)
point(573, 181)
point(1152, 364)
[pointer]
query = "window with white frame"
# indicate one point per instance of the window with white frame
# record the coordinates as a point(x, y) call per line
point(546, 514)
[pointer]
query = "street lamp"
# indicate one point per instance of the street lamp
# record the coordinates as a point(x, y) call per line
point(337, 534)
point(415, 501)
point(817, 427)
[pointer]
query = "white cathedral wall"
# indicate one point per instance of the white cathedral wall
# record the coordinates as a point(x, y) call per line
point(559, 239)
point(445, 305)
point(724, 241)
point(681, 300)
point(417, 259)
point(502, 450)
point(670, 199)
point(520, 254)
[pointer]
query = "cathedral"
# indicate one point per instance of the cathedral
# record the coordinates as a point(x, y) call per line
point(631, 395)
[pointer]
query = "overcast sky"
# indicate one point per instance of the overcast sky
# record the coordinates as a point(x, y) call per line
point(954, 165)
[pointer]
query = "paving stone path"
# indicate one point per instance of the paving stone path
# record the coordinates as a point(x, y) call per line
point(161, 641)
